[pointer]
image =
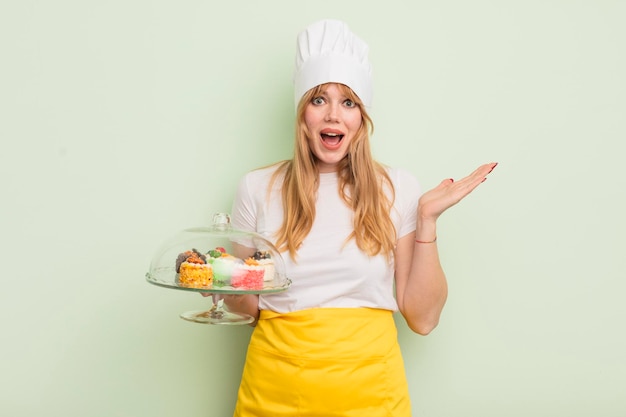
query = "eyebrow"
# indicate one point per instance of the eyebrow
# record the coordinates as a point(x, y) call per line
point(325, 94)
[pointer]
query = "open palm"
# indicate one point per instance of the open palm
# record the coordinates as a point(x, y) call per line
point(449, 192)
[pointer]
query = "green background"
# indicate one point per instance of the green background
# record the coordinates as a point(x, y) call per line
point(123, 122)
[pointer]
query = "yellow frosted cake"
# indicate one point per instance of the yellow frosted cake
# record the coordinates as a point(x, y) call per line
point(193, 271)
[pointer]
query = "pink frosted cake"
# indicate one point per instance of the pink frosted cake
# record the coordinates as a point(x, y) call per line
point(248, 276)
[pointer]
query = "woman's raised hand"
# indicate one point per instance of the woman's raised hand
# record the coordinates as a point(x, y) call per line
point(449, 192)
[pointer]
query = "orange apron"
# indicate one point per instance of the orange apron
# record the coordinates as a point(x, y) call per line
point(324, 362)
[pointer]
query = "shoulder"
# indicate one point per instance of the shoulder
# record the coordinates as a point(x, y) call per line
point(263, 172)
point(260, 176)
point(253, 194)
point(260, 183)
point(402, 178)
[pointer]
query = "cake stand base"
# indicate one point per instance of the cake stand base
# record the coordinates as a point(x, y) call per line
point(216, 316)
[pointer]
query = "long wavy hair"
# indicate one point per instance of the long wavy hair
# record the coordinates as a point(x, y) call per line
point(364, 185)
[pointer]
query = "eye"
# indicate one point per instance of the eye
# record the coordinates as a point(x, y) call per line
point(317, 101)
point(349, 103)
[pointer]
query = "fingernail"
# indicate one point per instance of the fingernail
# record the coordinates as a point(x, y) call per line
point(451, 179)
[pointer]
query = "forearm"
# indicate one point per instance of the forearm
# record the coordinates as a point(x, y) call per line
point(421, 283)
point(426, 289)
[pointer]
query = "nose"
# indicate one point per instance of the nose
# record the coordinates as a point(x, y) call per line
point(332, 114)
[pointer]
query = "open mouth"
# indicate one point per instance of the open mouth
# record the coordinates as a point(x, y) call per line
point(331, 139)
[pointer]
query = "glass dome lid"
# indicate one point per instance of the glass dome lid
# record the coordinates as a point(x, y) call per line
point(219, 260)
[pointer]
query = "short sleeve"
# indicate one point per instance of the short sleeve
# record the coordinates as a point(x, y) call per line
point(407, 194)
point(244, 212)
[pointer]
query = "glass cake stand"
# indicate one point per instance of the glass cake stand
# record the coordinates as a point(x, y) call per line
point(231, 261)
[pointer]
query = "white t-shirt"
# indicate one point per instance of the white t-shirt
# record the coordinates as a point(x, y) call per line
point(328, 271)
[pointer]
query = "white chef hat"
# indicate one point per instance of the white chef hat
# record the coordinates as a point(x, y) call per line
point(327, 51)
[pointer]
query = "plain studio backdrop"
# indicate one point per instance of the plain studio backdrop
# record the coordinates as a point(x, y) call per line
point(123, 122)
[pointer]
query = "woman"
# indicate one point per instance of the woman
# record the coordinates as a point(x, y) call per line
point(359, 241)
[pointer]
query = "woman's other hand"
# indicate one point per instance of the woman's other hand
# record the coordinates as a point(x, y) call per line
point(238, 303)
point(449, 192)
